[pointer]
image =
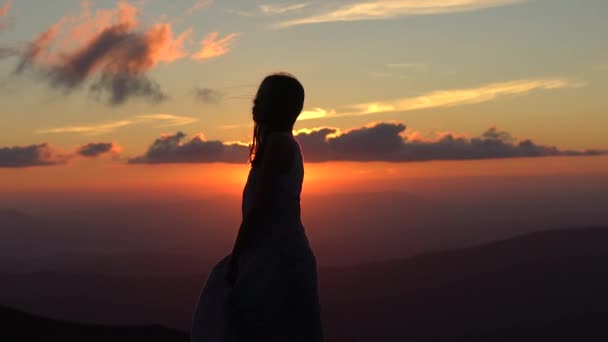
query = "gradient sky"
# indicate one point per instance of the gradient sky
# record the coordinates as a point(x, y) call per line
point(534, 68)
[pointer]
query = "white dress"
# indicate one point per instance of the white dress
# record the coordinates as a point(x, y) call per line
point(275, 296)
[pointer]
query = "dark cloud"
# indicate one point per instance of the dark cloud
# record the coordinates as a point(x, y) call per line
point(387, 142)
point(45, 155)
point(173, 149)
point(9, 51)
point(116, 58)
point(120, 56)
point(33, 155)
point(208, 95)
point(96, 149)
point(119, 88)
point(379, 142)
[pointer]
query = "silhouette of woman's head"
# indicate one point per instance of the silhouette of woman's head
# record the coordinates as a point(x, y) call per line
point(276, 107)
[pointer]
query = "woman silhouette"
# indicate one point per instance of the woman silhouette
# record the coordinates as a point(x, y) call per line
point(266, 290)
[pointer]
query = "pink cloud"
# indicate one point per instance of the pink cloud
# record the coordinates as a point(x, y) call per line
point(110, 45)
point(212, 47)
point(6, 8)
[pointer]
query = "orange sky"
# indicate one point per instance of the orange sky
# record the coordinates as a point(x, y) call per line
point(320, 177)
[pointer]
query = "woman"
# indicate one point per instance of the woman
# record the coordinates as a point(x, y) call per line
point(266, 290)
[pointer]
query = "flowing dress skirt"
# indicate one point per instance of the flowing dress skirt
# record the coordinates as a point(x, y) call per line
point(275, 296)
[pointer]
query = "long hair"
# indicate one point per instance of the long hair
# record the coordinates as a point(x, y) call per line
point(278, 103)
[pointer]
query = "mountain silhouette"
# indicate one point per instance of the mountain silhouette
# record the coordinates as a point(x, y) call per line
point(20, 326)
point(545, 286)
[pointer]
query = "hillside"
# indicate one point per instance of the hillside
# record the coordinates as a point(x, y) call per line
point(20, 326)
point(546, 286)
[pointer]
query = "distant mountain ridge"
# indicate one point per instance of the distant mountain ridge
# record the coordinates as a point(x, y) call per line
point(345, 228)
point(545, 286)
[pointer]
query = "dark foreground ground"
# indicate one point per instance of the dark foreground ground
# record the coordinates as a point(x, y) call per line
point(20, 326)
point(548, 286)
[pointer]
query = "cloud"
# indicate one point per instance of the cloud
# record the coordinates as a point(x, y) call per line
point(382, 142)
point(272, 9)
point(390, 9)
point(108, 47)
point(388, 142)
point(44, 155)
point(161, 121)
point(28, 156)
point(458, 97)
point(9, 51)
point(93, 150)
point(208, 95)
point(212, 47)
point(415, 67)
point(452, 98)
point(420, 67)
point(4, 12)
point(6, 8)
point(315, 113)
point(199, 5)
point(170, 149)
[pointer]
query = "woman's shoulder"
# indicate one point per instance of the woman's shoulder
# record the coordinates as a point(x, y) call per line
point(281, 151)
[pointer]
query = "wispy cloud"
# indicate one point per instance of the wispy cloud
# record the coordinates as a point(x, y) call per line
point(208, 95)
point(389, 9)
point(458, 97)
point(450, 98)
point(408, 66)
point(200, 5)
point(159, 120)
point(272, 9)
point(242, 13)
point(212, 46)
point(403, 67)
point(316, 113)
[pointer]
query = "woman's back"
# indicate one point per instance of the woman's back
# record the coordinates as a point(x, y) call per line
point(285, 196)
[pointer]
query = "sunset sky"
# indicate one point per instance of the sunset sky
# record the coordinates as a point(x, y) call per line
point(418, 87)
